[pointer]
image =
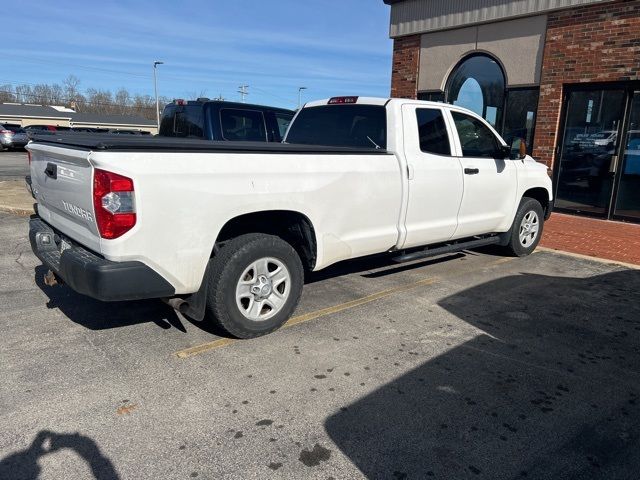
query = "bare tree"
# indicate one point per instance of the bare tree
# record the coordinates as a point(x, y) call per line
point(122, 100)
point(92, 101)
point(6, 93)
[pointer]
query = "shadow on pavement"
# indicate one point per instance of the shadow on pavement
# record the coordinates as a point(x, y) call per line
point(23, 465)
point(550, 390)
point(365, 264)
point(97, 315)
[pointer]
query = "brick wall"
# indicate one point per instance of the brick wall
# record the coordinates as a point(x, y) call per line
point(404, 70)
point(598, 43)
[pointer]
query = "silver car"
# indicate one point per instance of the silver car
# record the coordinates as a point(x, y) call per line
point(12, 136)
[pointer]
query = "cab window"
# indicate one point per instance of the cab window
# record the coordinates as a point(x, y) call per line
point(283, 120)
point(243, 125)
point(432, 130)
point(475, 137)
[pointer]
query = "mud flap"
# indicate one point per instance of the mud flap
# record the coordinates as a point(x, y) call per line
point(196, 303)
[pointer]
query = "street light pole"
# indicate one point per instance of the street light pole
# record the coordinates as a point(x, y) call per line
point(155, 88)
point(300, 96)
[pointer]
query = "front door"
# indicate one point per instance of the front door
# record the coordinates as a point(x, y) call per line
point(490, 180)
point(627, 197)
point(589, 152)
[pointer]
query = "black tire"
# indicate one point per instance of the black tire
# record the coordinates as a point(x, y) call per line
point(516, 247)
point(225, 270)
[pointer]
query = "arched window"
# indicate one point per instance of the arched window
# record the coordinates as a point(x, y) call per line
point(478, 83)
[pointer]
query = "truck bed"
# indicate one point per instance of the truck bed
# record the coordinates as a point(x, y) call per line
point(115, 142)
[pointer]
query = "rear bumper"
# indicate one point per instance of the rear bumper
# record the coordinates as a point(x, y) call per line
point(91, 275)
point(10, 143)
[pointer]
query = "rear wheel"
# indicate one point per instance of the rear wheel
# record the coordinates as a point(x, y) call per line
point(255, 284)
point(526, 230)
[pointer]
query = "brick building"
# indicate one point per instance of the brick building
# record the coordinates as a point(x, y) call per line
point(563, 75)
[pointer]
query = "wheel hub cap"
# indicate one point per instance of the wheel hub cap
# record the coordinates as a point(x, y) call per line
point(263, 289)
point(529, 228)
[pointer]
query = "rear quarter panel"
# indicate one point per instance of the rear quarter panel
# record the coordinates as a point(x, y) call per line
point(184, 199)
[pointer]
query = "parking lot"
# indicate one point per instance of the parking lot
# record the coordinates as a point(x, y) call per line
point(13, 165)
point(467, 366)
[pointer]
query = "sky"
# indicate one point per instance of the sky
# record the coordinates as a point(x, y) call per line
point(210, 48)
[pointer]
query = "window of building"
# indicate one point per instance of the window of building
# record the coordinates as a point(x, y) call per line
point(432, 131)
point(475, 138)
point(478, 83)
point(520, 116)
point(243, 125)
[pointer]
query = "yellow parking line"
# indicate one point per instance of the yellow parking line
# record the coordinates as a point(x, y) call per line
point(205, 347)
point(501, 261)
point(190, 352)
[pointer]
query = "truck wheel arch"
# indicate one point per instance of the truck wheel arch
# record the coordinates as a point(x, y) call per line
point(292, 226)
point(540, 194)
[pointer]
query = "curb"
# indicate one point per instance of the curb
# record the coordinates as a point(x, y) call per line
point(20, 212)
point(588, 257)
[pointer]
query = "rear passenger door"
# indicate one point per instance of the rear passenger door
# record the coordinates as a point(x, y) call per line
point(490, 180)
point(435, 176)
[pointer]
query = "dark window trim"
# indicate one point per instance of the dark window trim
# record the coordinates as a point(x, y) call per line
point(264, 123)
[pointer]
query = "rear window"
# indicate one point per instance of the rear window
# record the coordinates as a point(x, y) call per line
point(182, 121)
point(341, 126)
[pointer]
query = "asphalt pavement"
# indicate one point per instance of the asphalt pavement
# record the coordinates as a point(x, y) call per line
point(466, 366)
point(13, 165)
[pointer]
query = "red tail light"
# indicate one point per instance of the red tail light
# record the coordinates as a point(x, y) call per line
point(113, 203)
point(29, 157)
point(6, 131)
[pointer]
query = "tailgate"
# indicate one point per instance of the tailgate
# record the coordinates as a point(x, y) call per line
point(62, 183)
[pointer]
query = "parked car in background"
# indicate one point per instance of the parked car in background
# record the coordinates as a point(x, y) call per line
point(90, 130)
point(12, 136)
point(224, 121)
point(31, 129)
point(118, 131)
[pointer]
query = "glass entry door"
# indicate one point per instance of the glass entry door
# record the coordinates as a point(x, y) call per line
point(627, 201)
point(589, 152)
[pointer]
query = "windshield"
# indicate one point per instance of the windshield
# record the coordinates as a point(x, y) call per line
point(341, 126)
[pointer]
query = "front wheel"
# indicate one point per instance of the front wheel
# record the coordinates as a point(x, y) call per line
point(255, 284)
point(526, 230)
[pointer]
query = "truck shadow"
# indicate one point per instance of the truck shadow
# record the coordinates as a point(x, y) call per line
point(378, 262)
point(550, 388)
point(23, 465)
point(97, 315)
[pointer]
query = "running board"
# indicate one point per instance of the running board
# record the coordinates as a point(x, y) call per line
point(453, 247)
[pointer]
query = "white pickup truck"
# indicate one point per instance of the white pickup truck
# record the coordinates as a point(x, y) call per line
point(226, 230)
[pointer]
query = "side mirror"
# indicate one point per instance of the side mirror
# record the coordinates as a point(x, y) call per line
point(518, 149)
point(504, 152)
